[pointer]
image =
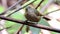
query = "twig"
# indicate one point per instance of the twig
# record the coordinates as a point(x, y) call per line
point(10, 7)
point(20, 29)
point(39, 4)
point(31, 24)
point(23, 6)
point(52, 11)
point(7, 27)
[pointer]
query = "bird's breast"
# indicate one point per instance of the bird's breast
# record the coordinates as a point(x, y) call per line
point(32, 17)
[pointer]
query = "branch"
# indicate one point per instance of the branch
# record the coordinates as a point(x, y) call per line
point(20, 29)
point(23, 6)
point(10, 7)
point(52, 11)
point(39, 4)
point(7, 27)
point(31, 24)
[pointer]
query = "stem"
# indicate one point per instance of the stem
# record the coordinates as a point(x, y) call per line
point(10, 7)
point(52, 11)
point(20, 29)
point(39, 4)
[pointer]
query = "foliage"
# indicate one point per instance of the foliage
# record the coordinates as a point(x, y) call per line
point(1, 9)
point(20, 16)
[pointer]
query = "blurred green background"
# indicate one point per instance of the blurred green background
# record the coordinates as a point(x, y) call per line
point(20, 16)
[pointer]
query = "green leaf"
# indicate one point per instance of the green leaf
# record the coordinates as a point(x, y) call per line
point(1, 9)
point(18, 15)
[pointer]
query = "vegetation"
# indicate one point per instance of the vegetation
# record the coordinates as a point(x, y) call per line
point(18, 15)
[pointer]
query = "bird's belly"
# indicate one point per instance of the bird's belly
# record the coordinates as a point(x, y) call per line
point(32, 18)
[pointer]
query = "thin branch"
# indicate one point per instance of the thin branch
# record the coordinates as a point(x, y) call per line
point(31, 24)
point(52, 11)
point(20, 29)
point(23, 6)
point(39, 4)
point(10, 7)
point(7, 27)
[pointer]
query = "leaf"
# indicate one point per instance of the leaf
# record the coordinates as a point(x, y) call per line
point(18, 15)
point(1, 9)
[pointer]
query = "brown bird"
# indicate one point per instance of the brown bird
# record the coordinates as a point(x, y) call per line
point(33, 15)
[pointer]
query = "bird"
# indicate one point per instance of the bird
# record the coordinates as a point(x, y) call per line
point(32, 15)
